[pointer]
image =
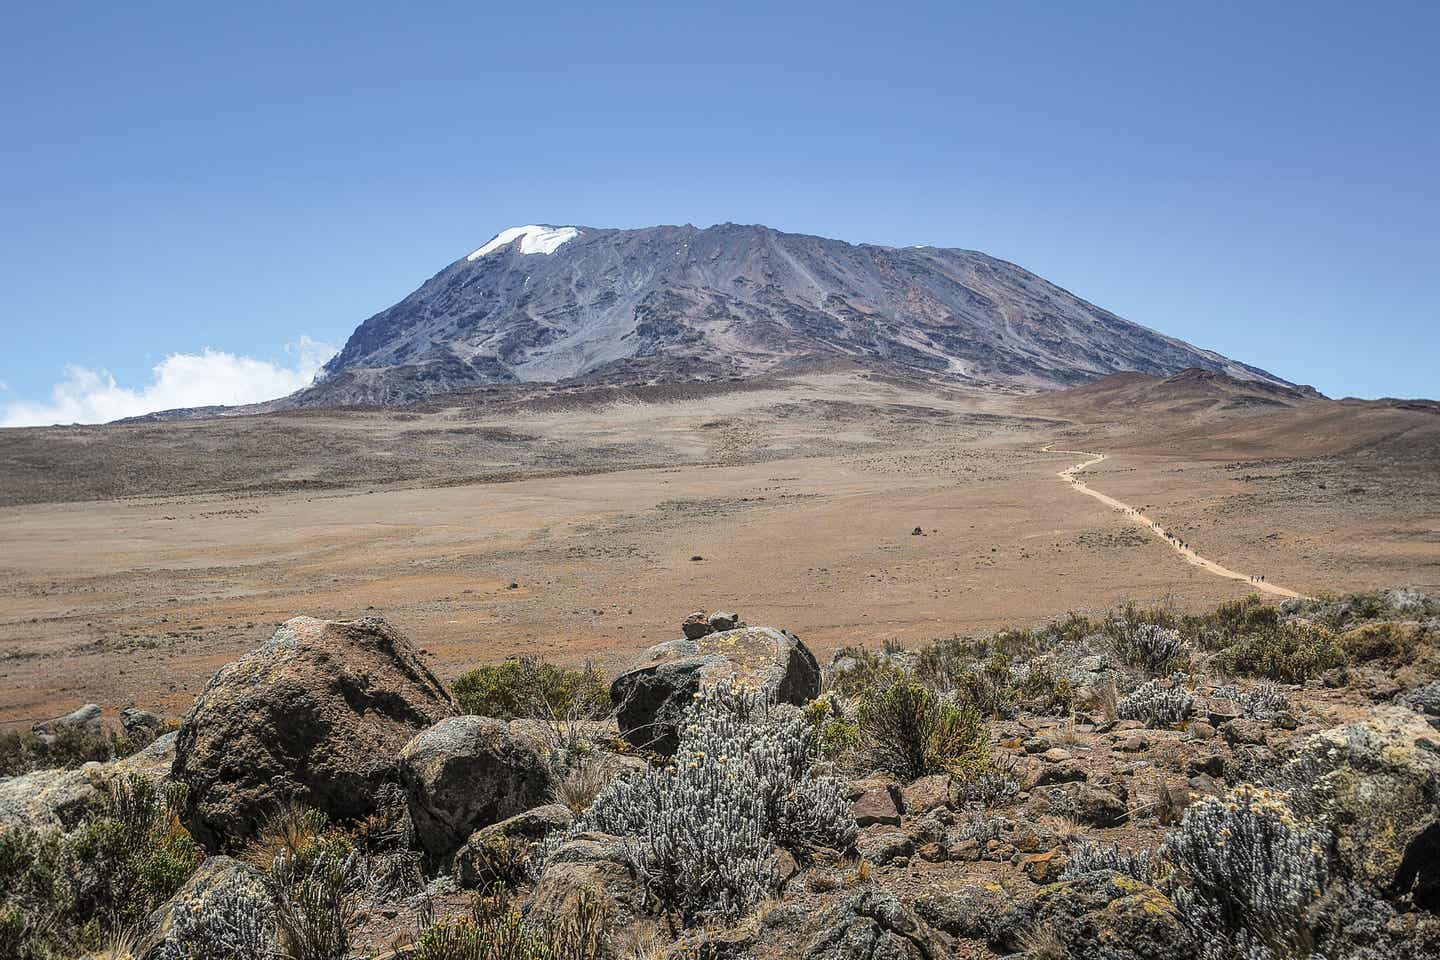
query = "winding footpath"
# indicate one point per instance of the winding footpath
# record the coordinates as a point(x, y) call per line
point(1071, 476)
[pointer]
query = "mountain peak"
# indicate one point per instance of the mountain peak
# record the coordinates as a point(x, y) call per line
point(534, 238)
point(735, 300)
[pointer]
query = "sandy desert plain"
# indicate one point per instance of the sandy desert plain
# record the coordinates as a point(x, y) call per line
point(583, 523)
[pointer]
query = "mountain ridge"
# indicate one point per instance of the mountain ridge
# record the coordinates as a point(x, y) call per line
point(544, 304)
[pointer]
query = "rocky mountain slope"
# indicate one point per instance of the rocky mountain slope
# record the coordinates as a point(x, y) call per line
point(679, 302)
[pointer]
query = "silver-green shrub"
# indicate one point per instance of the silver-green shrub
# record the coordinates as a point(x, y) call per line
point(1147, 645)
point(1160, 703)
point(1087, 856)
point(702, 832)
point(1246, 870)
point(1264, 701)
point(237, 923)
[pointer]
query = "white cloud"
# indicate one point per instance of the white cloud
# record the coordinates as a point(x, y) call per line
point(180, 380)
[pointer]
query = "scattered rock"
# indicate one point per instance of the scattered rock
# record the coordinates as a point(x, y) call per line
point(317, 713)
point(1085, 802)
point(1043, 868)
point(926, 794)
point(875, 926)
point(139, 722)
point(969, 912)
point(1068, 772)
point(1099, 914)
point(874, 804)
point(593, 863)
point(696, 626)
point(885, 847)
point(465, 773)
point(532, 825)
point(651, 697)
point(88, 718)
point(1246, 732)
point(721, 621)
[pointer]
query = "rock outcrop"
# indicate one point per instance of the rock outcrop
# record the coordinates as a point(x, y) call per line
point(1377, 783)
point(317, 714)
point(877, 926)
point(650, 698)
point(465, 773)
point(1102, 913)
point(61, 799)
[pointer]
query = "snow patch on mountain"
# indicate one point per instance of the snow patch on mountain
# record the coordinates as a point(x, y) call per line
point(533, 239)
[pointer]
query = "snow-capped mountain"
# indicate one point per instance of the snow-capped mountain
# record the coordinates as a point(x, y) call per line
point(546, 303)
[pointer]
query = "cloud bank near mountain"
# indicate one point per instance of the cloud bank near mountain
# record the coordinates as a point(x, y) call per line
point(206, 378)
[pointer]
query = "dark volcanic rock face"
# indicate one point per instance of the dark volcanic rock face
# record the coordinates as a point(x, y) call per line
point(735, 300)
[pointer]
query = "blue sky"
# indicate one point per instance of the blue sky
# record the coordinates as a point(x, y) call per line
point(184, 177)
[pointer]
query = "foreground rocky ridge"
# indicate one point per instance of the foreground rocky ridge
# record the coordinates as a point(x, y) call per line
point(1073, 791)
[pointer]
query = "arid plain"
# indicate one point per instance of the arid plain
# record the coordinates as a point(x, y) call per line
point(584, 523)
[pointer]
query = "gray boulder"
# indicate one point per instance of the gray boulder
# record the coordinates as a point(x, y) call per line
point(465, 773)
point(970, 912)
point(1099, 914)
point(87, 718)
point(531, 827)
point(650, 697)
point(316, 714)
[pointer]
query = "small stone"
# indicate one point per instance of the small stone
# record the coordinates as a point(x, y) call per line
point(1200, 730)
point(1246, 732)
point(1057, 755)
point(696, 625)
point(1045, 867)
point(934, 853)
point(720, 620)
point(1210, 764)
point(86, 718)
point(926, 794)
point(1070, 771)
point(883, 849)
point(966, 851)
point(876, 805)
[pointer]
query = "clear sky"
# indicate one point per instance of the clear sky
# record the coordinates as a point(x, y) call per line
point(199, 198)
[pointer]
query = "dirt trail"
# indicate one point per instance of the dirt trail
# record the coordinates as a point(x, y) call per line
point(1071, 476)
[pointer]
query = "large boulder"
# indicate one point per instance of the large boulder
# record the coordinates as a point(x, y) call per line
point(650, 697)
point(465, 773)
point(61, 799)
point(1377, 783)
point(316, 714)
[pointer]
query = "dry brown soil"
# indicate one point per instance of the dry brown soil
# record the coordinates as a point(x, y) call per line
point(135, 559)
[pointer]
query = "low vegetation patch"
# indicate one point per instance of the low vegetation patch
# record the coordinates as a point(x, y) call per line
point(528, 688)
